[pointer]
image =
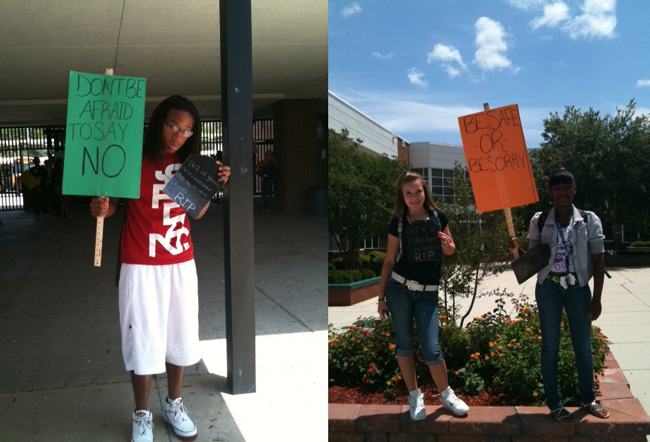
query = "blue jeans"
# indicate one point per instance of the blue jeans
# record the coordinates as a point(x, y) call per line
point(551, 299)
point(404, 306)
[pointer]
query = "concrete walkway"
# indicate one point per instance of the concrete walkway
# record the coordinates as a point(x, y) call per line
point(62, 377)
point(625, 319)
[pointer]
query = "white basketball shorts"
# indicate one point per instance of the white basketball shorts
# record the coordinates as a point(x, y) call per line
point(159, 316)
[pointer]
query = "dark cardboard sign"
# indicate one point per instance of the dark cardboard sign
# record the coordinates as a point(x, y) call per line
point(422, 241)
point(194, 184)
point(531, 262)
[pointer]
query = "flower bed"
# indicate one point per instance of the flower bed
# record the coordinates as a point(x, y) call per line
point(497, 353)
point(628, 421)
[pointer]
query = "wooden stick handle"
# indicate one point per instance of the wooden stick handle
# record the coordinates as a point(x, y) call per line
point(99, 239)
point(511, 229)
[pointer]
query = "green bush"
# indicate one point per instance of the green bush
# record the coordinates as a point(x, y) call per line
point(496, 350)
point(349, 276)
point(376, 261)
point(364, 261)
point(330, 266)
point(640, 244)
point(339, 277)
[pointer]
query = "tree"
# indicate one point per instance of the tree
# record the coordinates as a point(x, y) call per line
point(361, 195)
point(609, 157)
point(481, 248)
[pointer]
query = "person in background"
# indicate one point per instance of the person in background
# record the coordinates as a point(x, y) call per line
point(158, 285)
point(268, 170)
point(409, 291)
point(40, 191)
point(576, 239)
point(57, 181)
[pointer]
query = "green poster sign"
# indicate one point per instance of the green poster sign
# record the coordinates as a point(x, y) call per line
point(103, 140)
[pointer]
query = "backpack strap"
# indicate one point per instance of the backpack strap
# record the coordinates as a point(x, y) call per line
point(542, 218)
point(399, 235)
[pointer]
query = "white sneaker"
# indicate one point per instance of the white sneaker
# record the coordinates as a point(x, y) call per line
point(453, 403)
point(416, 405)
point(142, 426)
point(175, 414)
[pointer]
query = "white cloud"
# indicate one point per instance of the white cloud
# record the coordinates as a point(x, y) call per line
point(598, 20)
point(527, 5)
point(554, 14)
point(354, 8)
point(448, 57)
point(415, 77)
point(492, 45)
point(643, 83)
point(382, 56)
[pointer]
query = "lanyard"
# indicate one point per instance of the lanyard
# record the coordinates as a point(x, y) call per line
point(566, 249)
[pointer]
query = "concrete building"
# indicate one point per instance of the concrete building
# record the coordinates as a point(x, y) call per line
point(376, 139)
point(434, 161)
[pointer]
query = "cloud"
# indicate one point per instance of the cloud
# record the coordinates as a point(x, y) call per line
point(554, 14)
point(382, 56)
point(527, 5)
point(643, 83)
point(598, 20)
point(348, 11)
point(492, 45)
point(448, 57)
point(415, 77)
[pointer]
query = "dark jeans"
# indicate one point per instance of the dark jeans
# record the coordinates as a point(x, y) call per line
point(551, 300)
point(267, 195)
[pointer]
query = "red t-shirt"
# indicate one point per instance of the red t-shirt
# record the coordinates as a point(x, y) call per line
point(157, 230)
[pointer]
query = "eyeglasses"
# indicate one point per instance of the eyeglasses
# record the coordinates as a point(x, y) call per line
point(185, 133)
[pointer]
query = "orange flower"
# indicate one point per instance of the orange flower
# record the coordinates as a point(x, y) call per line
point(534, 394)
point(458, 373)
point(486, 359)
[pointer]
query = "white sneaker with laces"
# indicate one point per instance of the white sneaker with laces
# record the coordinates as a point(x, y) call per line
point(175, 414)
point(416, 405)
point(142, 426)
point(453, 403)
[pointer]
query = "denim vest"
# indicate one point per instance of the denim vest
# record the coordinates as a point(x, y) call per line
point(587, 240)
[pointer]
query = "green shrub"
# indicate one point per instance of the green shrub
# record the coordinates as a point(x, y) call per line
point(376, 261)
point(364, 261)
point(339, 277)
point(638, 244)
point(497, 350)
point(330, 266)
point(349, 276)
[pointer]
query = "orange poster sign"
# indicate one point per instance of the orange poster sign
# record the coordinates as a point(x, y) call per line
point(497, 159)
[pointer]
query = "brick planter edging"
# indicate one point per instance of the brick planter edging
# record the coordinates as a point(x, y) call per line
point(628, 421)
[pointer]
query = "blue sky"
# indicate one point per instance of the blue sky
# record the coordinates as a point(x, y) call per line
point(415, 66)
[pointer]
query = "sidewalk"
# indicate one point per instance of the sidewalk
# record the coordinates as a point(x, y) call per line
point(625, 319)
point(63, 379)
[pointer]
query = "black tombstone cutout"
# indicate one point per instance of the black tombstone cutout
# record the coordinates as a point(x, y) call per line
point(531, 262)
point(423, 242)
point(194, 184)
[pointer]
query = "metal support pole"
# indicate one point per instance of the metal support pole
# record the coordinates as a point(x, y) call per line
point(237, 114)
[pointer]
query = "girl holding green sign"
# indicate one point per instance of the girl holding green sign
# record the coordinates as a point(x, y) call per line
point(158, 282)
